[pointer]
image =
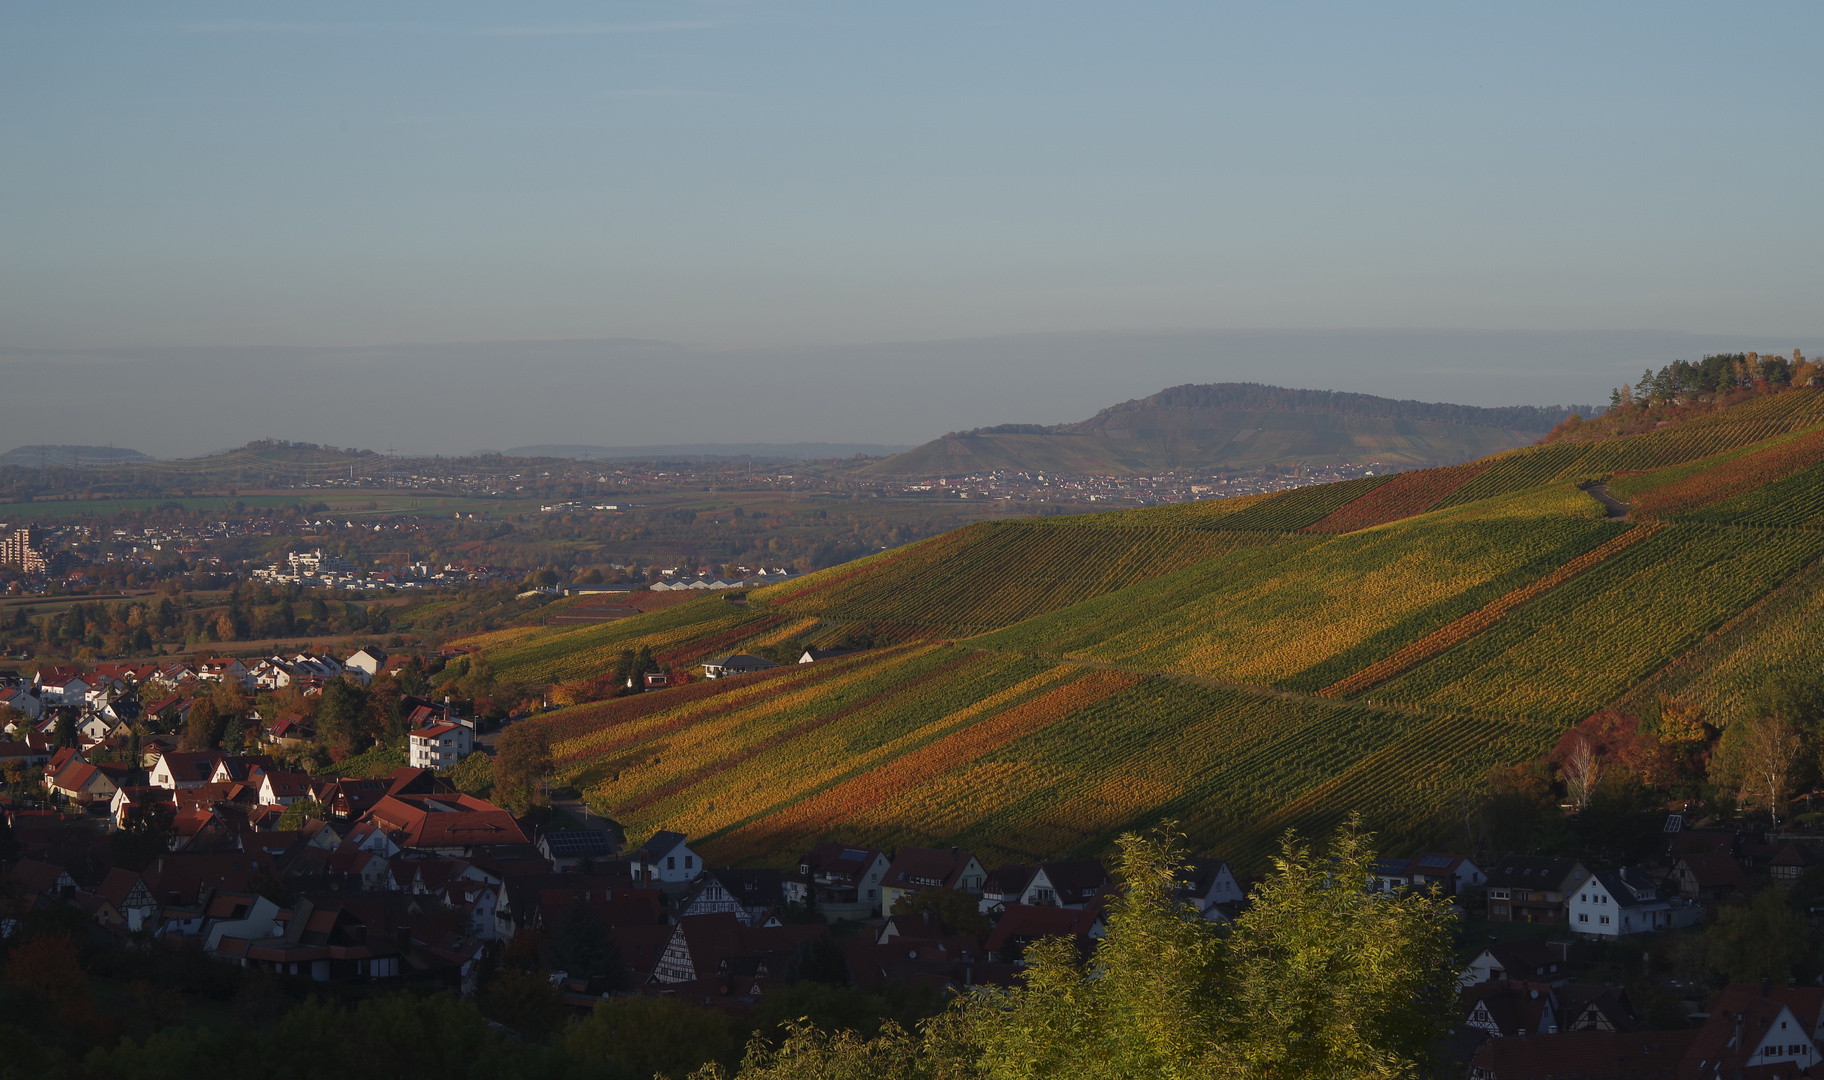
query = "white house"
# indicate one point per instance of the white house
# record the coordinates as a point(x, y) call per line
point(61, 687)
point(223, 669)
point(364, 665)
point(1071, 884)
point(1621, 902)
point(1208, 884)
point(735, 664)
point(251, 917)
point(283, 788)
point(665, 860)
point(182, 771)
point(22, 699)
point(441, 745)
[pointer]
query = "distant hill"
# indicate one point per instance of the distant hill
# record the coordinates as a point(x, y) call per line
point(38, 456)
point(763, 451)
point(1235, 426)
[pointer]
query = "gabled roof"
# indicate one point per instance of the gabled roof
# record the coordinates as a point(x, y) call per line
point(1715, 871)
point(916, 867)
point(1530, 872)
point(577, 844)
point(190, 766)
point(1649, 1055)
point(1076, 880)
point(286, 785)
point(433, 821)
point(663, 843)
point(1010, 880)
point(1030, 923)
point(1528, 958)
point(1514, 1006)
point(839, 860)
point(1716, 1051)
point(1628, 887)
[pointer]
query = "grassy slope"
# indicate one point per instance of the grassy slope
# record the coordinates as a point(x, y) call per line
point(1127, 683)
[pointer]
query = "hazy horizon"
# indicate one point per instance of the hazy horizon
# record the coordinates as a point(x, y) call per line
point(719, 220)
point(459, 397)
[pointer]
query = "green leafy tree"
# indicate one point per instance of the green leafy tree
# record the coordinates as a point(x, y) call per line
point(147, 834)
point(526, 1002)
point(660, 1037)
point(1320, 978)
point(64, 733)
point(1758, 940)
point(342, 714)
point(301, 811)
point(954, 911)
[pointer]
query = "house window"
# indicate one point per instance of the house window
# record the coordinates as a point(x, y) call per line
point(671, 862)
point(1583, 918)
point(688, 861)
point(1605, 920)
point(1497, 894)
point(1498, 909)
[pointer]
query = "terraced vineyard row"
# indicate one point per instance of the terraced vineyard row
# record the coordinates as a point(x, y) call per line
point(1743, 474)
point(995, 574)
point(1481, 619)
point(1303, 615)
point(1778, 634)
point(1012, 758)
point(1404, 496)
point(1581, 646)
point(586, 651)
point(1797, 501)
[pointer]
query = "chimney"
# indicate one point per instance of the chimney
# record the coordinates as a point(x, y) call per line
point(1764, 981)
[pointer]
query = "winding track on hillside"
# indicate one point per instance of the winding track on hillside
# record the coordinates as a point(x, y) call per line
point(1616, 508)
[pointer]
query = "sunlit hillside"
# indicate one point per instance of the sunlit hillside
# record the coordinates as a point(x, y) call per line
point(1243, 666)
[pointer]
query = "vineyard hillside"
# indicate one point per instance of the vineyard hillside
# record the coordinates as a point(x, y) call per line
point(1242, 666)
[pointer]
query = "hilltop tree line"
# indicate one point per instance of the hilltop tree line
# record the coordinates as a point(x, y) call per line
point(1716, 374)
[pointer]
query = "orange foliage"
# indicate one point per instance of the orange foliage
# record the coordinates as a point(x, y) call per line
point(1732, 478)
point(955, 750)
point(1402, 497)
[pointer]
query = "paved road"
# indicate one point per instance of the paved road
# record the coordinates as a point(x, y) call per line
point(1616, 508)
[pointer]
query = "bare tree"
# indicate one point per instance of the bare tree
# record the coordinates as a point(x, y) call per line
point(1769, 755)
point(1581, 772)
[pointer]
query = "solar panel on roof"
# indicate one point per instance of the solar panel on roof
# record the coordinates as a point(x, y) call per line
point(1434, 860)
point(576, 843)
point(850, 854)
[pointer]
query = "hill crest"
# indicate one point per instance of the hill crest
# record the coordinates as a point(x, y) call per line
point(1235, 426)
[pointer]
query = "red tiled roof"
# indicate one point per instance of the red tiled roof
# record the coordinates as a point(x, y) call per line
point(1588, 1055)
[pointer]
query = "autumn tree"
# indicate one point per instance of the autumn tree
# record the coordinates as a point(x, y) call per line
point(1769, 757)
point(522, 759)
point(203, 727)
point(1582, 771)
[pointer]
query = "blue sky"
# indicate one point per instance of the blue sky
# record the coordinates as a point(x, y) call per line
point(807, 176)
